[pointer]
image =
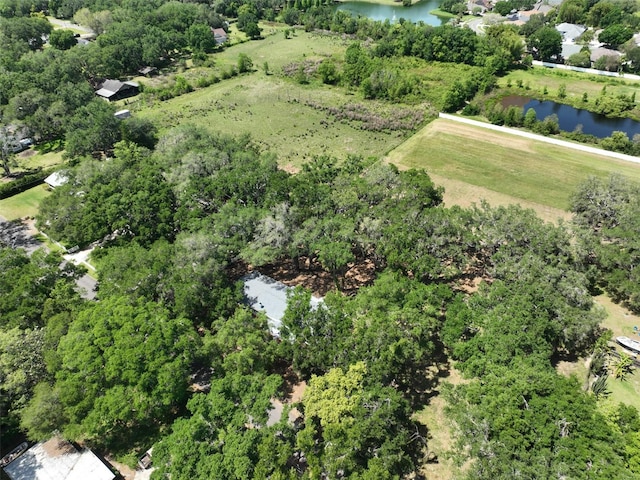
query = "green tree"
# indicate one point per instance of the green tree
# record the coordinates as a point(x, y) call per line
point(62, 39)
point(328, 72)
point(545, 43)
point(615, 35)
point(122, 366)
point(245, 64)
point(201, 38)
point(21, 368)
point(93, 130)
point(352, 429)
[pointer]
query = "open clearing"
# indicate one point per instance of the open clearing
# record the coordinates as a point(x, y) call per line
point(527, 171)
point(24, 204)
point(621, 322)
point(279, 116)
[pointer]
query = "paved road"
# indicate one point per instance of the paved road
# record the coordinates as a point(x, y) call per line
point(57, 23)
point(542, 138)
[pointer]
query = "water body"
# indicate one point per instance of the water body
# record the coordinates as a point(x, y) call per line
point(569, 118)
point(416, 13)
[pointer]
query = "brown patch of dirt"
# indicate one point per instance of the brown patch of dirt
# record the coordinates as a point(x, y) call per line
point(311, 276)
point(57, 446)
point(290, 168)
point(470, 285)
point(297, 391)
point(470, 132)
point(27, 153)
point(127, 472)
point(31, 226)
point(465, 195)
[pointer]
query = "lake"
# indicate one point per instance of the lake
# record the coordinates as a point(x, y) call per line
point(569, 118)
point(416, 13)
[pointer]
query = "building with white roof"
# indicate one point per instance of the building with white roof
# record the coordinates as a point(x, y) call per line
point(264, 294)
point(57, 459)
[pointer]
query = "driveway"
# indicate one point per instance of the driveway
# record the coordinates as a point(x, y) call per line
point(17, 234)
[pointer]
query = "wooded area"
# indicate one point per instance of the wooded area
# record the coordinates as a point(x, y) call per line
point(415, 288)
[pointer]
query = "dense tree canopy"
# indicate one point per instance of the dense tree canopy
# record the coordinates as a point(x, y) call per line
point(166, 355)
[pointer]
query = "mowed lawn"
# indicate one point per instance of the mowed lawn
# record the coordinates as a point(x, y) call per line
point(522, 169)
point(24, 204)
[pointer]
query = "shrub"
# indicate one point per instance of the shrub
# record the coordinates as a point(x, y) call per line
point(23, 183)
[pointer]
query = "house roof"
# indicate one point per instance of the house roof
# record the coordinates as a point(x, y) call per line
point(570, 31)
point(569, 49)
point(57, 179)
point(219, 34)
point(57, 459)
point(603, 52)
point(264, 294)
point(111, 87)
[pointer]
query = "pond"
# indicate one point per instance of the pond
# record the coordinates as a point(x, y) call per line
point(569, 118)
point(416, 13)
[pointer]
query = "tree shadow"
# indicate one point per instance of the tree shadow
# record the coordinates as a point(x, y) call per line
point(15, 234)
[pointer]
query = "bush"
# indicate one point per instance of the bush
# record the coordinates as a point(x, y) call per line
point(471, 109)
point(23, 183)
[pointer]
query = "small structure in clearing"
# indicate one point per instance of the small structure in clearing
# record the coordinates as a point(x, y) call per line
point(264, 294)
point(116, 90)
point(56, 179)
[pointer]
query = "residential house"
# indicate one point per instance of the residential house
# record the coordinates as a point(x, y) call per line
point(569, 49)
point(264, 294)
point(600, 52)
point(116, 90)
point(57, 459)
point(570, 32)
point(220, 35)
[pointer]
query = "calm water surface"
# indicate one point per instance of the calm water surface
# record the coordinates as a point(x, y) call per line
point(569, 118)
point(415, 13)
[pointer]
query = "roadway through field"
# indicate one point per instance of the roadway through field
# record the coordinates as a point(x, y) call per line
point(542, 138)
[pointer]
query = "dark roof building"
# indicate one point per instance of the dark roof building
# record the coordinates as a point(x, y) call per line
point(115, 89)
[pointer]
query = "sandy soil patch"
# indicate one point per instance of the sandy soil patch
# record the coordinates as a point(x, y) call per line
point(472, 133)
point(465, 195)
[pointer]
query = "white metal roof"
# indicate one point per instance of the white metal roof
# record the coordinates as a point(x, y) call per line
point(56, 179)
point(264, 294)
point(57, 459)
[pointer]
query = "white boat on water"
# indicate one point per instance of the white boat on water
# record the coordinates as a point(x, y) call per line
point(626, 342)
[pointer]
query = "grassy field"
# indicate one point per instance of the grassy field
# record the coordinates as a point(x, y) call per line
point(621, 322)
point(577, 83)
point(24, 204)
point(522, 169)
point(282, 116)
point(32, 159)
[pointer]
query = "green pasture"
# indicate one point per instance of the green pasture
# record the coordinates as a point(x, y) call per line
point(31, 159)
point(283, 116)
point(24, 204)
point(277, 115)
point(521, 168)
point(278, 51)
